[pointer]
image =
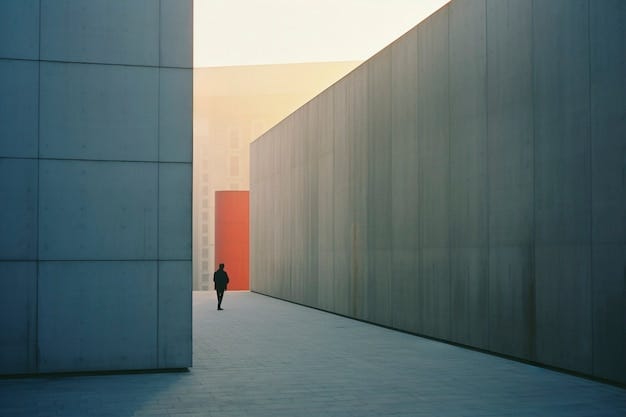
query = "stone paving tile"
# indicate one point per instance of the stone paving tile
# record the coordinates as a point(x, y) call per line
point(265, 357)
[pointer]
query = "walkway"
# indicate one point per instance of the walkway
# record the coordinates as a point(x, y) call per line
point(265, 357)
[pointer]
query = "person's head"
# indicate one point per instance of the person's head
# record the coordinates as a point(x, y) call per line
point(221, 266)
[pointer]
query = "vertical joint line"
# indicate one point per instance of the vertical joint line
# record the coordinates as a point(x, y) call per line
point(332, 196)
point(488, 180)
point(158, 188)
point(36, 364)
point(533, 243)
point(390, 173)
point(590, 153)
point(191, 197)
point(448, 203)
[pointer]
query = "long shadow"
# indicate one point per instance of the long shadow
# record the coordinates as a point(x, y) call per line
point(106, 394)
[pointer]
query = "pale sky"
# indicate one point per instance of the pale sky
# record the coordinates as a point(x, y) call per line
point(253, 32)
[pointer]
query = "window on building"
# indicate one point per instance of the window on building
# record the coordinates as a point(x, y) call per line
point(234, 166)
point(234, 138)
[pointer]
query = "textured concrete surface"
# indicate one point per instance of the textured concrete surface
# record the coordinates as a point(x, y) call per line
point(19, 21)
point(562, 191)
point(19, 102)
point(113, 214)
point(83, 106)
point(175, 114)
point(474, 186)
point(174, 347)
point(265, 357)
point(174, 208)
point(608, 104)
point(18, 232)
point(106, 312)
point(18, 281)
point(127, 32)
point(511, 182)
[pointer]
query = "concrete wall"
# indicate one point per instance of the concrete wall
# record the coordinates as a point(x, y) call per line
point(466, 183)
point(95, 185)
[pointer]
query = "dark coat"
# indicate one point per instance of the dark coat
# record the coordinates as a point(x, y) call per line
point(220, 278)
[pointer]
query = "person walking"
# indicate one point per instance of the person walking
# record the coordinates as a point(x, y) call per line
point(220, 278)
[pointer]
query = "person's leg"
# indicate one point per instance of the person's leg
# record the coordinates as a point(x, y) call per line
point(220, 296)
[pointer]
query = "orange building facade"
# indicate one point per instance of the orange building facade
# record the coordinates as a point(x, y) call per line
point(232, 242)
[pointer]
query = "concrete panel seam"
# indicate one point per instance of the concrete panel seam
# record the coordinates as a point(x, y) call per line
point(449, 185)
point(533, 271)
point(590, 156)
point(37, 272)
point(488, 179)
point(107, 64)
point(104, 260)
point(146, 161)
point(9, 59)
point(18, 158)
point(160, 29)
point(158, 188)
point(192, 42)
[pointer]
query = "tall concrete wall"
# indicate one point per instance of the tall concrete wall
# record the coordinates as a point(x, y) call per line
point(95, 185)
point(466, 183)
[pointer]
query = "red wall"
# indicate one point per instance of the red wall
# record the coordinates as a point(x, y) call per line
point(232, 243)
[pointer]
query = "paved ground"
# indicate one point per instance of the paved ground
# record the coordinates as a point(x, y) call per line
point(265, 357)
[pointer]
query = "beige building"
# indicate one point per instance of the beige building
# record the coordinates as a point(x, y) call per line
point(232, 107)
